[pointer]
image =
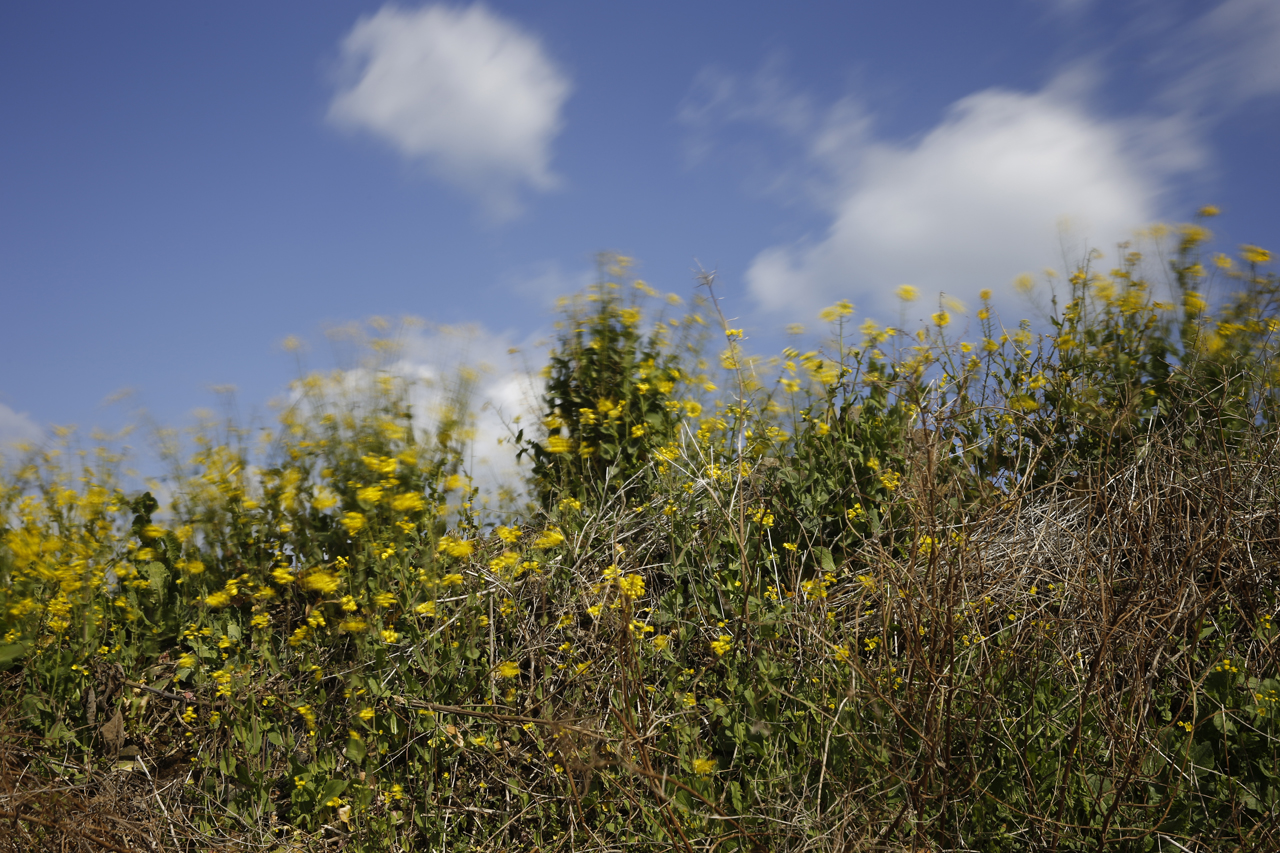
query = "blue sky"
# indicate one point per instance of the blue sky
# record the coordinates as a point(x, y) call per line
point(184, 185)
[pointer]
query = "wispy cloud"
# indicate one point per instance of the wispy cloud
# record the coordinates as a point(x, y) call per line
point(464, 92)
point(1224, 57)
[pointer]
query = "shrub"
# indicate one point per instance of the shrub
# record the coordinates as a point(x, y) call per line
point(917, 593)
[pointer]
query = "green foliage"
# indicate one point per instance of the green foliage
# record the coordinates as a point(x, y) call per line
point(917, 593)
point(611, 395)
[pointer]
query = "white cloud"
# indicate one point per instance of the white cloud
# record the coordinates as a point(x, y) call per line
point(976, 201)
point(16, 428)
point(502, 391)
point(1227, 56)
point(464, 92)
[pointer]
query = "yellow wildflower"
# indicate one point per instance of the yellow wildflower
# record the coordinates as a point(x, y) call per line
point(408, 502)
point(321, 581)
point(1255, 254)
point(632, 586)
point(455, 547)
point(549, 539)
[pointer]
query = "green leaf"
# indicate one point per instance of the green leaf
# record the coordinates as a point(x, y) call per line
point(11, 653)
point(332, 788)
point(824, 557)
point(355, 751)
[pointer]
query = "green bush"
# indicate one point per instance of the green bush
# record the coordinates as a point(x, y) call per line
point(915, 592)
point(612, 394)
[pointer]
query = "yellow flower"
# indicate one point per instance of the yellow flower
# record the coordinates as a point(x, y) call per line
point(354, 626)
point(692, 408)
point(353, 522)
point(549, 539)
point(369, 494)
point(704, 766)
point(1209, 210)
point(366, 714)
point(558, 444)
point(1255, 255)
point(632, 586)
point(389, 636)
point(941, 319)
point(832, 313)
point(722, 644)
point(907, 293)
point(426, 608)
point(380, 464)
point(455, 547)
point(321, 581)
point(1024, 283)
point(505, 560)
point(408, 502)
point(661, 641)
point(508, 669)
point(507, 534)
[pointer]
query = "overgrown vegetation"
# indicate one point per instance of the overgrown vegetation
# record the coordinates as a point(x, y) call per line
point(916, 592)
